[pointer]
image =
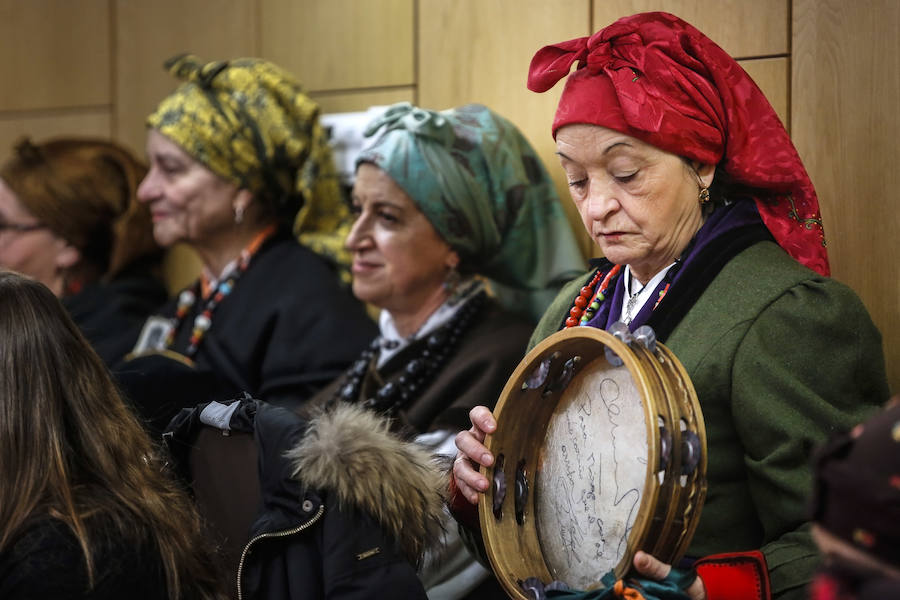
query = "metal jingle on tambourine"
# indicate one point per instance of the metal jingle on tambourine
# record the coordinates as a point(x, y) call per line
point(561, 404)
point(539, 375)
point(499, 487)
point(681, 485)
point(692, 458)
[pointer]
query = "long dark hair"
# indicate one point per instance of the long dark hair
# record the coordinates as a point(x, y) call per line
point(71, 449)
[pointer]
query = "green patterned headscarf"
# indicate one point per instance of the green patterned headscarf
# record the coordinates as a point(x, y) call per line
point(248, 121)
point(486, 192)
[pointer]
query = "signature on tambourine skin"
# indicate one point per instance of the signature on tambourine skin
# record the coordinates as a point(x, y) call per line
point(593, 473)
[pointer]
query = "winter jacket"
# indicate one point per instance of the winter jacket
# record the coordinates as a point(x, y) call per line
point(345, 508)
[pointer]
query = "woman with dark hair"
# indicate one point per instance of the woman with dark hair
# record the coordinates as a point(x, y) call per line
point(461, 241)
point(87, 509)
point(69, 217)
point(711, 235)
point(237, 158)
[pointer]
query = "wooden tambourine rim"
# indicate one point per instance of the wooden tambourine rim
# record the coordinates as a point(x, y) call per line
point(694, 495)
point(515, 551)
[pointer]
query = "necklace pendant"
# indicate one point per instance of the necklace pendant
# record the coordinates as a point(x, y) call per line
point(631, 302)
point(629, 308)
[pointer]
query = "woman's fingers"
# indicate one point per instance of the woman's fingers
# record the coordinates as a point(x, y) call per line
point(482, 421)
point(471, 447)
point(465, 468)
point(473, 454)
point(652, 568)
point(469, 482)
point(470, 443)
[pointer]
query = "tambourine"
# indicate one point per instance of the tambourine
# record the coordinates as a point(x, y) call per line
point(600, 451)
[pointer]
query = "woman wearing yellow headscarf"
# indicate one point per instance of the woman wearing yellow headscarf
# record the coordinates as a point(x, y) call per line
point(237, 158)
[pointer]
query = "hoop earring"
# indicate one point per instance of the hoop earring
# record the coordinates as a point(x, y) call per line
point(238, 214)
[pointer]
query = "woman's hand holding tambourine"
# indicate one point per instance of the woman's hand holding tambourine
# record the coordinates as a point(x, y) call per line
point(472, 454)
point(652, 568)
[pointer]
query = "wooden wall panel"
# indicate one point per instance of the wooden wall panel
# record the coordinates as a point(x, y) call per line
point(41, 126)
point(846, 97)
point(474, 51)
point(56, 54)
point(341, 44)
point(336, 102)
point(773, 76)
point(147, 33)
point(743, 29)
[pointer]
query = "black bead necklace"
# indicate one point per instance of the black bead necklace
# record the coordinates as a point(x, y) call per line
point(394, 395)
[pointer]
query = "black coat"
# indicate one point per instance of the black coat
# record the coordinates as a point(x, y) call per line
point(287, 329)
point(110, 315)
point(314, 535)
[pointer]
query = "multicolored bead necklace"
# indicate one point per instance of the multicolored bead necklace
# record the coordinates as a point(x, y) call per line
point(187, 298)
point(587, 302)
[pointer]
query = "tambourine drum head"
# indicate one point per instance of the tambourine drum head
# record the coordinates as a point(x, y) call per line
point(591, 478)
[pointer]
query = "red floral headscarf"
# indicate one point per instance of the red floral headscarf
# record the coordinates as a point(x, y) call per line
point(657, 78)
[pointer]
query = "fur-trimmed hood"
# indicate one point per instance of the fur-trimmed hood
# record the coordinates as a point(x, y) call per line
point(343, 455)
point(350, 454)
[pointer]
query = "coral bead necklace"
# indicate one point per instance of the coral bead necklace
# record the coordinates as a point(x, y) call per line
point(591, 296)
point(587, 302)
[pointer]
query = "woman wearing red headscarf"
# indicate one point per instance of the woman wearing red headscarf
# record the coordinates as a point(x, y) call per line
point(711, 233)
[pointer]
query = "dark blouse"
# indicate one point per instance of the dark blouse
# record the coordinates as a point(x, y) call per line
point(47, 562)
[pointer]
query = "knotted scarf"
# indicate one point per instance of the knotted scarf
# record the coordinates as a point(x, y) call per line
point(248, 121)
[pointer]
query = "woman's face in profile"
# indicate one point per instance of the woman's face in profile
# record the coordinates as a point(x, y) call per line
point(398, 257)
point(189, 203)
point(638, 203)
point(38, 253)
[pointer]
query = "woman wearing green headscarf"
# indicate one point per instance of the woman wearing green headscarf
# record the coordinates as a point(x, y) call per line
point(460, 239)
point(237, 160)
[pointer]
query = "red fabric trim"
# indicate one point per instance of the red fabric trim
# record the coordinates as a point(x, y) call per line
point(735, 576)
point(462, 510)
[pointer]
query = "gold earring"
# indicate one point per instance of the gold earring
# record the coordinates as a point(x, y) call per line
point(704, 195)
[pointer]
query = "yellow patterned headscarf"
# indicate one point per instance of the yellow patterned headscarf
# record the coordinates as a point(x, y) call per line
point(248, 121)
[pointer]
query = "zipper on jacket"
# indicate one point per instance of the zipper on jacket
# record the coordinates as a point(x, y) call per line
point(284, 533)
